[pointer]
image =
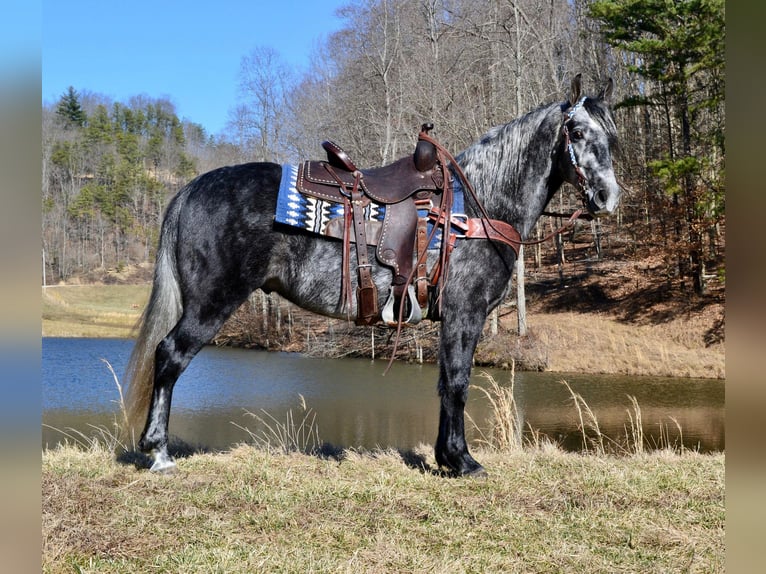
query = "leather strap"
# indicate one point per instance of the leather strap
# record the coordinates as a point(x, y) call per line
point(345, 276)
point(366, 292)
point(337, 157)
point(494, 230)
point(479, 228)
point(421, 280)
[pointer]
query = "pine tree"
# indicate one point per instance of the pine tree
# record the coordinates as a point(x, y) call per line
point(70, 110)
point(679, 49)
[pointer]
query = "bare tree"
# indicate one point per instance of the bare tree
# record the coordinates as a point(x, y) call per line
point(264, 82)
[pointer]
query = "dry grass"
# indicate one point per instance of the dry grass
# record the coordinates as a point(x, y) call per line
point(288, 436)
point(503, 431)
point(250, 510)
point(592, 343)
point(92, 310)
point(271, 508)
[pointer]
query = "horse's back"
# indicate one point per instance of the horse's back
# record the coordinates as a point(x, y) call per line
point(248, 188)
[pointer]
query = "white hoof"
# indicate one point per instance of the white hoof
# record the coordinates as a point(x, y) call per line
point(163, 464)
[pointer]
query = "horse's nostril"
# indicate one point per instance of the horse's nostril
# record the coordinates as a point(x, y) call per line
point(601, 198)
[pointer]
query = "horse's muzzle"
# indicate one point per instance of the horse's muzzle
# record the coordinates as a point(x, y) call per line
point(603, 200)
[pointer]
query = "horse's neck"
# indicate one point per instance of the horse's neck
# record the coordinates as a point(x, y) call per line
point(513, 168)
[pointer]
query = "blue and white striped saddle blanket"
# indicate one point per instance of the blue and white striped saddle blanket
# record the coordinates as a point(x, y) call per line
point(313, 214)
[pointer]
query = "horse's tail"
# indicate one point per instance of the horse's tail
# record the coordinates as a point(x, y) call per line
point(160, 315)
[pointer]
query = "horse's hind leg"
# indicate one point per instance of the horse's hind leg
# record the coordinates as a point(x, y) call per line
point(172, 356)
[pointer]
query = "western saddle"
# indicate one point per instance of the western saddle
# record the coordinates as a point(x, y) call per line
point(412, 183)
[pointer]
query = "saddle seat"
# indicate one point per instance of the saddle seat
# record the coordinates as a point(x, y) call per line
point(385, 185)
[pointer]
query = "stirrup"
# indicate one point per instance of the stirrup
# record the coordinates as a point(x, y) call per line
point(416, 315)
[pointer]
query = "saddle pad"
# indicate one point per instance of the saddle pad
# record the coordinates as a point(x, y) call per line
point(313, 214)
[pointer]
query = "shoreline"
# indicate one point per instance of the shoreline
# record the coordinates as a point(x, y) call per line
point(557, 341)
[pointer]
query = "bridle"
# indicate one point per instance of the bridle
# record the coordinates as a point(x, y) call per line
point(582, 180)
point(492, 225)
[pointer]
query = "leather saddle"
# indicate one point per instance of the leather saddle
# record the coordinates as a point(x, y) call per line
point(400, 239)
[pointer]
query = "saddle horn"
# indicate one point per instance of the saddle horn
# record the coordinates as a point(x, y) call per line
point(425, 151)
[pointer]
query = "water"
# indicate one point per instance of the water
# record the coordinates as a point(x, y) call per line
point(355, 405)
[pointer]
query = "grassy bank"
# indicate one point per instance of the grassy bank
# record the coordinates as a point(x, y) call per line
point(252, 510)
point(92, 310)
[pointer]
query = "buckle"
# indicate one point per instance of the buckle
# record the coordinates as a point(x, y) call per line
point(461, 225)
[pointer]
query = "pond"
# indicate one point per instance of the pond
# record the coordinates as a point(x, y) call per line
point(356, 405)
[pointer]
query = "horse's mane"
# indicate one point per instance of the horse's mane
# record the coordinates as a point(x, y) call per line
point(509, 157)
point(499, 162)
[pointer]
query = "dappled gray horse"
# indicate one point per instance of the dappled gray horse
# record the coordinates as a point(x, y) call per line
point(219, 242)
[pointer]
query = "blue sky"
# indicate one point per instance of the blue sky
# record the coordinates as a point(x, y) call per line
point(189, 50)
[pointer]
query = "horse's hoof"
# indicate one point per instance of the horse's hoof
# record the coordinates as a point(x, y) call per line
point(163, 464)
point(163, 467)
point(477, 473)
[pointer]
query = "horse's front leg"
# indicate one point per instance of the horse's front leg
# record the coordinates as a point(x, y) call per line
point(480, 276)
point(459, 337)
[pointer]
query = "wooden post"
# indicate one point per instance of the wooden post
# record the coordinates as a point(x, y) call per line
point(372, 341)
point(521, 297)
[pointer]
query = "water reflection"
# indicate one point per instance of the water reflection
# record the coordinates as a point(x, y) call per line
point(356, 406)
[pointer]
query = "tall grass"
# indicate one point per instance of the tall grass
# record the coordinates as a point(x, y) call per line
point(504, 432)
point(635, 433)
point(592, 437)
point(634, 441)
point(114, 439)
point(292, 435)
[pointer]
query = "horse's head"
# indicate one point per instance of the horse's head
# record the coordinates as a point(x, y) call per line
point(588, 138)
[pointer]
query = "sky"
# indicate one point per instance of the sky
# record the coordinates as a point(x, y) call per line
point(188, 51)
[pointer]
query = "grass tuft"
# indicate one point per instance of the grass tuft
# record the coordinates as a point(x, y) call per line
point(301, 435)
point(504, 434)
point(592, 438)
point(635, 434)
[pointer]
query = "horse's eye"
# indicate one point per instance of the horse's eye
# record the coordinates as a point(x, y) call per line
point(577, 135)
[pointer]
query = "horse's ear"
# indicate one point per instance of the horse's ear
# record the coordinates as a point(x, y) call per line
point(574, 95)
point(606, 93)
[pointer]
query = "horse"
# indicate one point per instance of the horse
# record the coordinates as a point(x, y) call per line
point(219, 242)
